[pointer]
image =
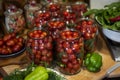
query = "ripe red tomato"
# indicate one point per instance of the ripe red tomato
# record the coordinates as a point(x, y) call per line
point(89, 22)
point(13, 35)
point(66, 44)
point(1, 42)
point(76, 66)
point(72, 57)
point(16, 48)
point(49, 54)
point(6, 37)
point(69, 50)
point(49, 45)
point(75, 47)
point(20, 39)
point(44, 52)
point(69, 65)
point(64, 60)
point(4, 51)
point(10, 42)
point(87, 36)
point(44, 58)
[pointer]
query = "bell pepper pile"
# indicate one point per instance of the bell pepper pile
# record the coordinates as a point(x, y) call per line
point(93, 62)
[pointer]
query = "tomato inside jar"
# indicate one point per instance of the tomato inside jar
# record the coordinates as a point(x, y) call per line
point(30, 9)
point(39, 47)
point(41, 18)
point(54, 27)
point(14, 19)
point(79, 8)
point(70, 52)
point(55, 9)
point(68, 15)
point(89, 31)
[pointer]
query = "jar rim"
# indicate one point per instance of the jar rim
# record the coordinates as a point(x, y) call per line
point(72, 30)
point(19, 11)
point(37, 29)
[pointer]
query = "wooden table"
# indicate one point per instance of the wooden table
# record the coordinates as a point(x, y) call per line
point(83, 74)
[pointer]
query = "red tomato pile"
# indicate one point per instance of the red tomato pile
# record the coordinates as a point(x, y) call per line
point(10, 44)
point(69, 49)
point(39, 47)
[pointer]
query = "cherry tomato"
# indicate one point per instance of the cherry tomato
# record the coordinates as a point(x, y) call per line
point(1, 42)
point(10, 42)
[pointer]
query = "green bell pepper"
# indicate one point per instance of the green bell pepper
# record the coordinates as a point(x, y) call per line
point(39, 73)
point(93, 62)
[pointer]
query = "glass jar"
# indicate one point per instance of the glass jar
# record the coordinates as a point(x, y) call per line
point(79, 8)
point(89, 30)
point(30, 9)
point(70, 52)
point(39, 47)
point(42, 17)
point(68, 15)
point(54, 27)
point(55, 9)
point(14, 19)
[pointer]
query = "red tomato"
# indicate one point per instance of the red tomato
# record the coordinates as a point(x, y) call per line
point(76, 67)
point(44, 52)
point(75, 47)
point(0, 50)
point(72, 57)
point(87, 36)
point(10, 42)
point(69, 65)
point(89, 22)
point(16, 48)
point(20, 39)
point(49, 45)
point(6, 37)
point(64, 60)
point(1, 42)
point(66, 44)
point(13, 35)
point(44, 58)
point(4, 51)
point(69, 50)
point(49, 54)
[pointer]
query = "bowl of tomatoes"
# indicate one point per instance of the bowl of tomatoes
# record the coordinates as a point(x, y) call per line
point(11, 45)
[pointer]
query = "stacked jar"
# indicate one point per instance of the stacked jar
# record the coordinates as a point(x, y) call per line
point(89, 31)
point(39, 47)
point(79, 8)
point(14, 19)
point(54, 27)
point(68, 15)
point(41, 18)
point(70, 51)
point(55, 9)
point(30, 9)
